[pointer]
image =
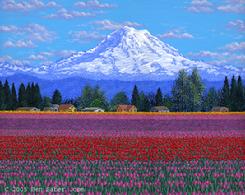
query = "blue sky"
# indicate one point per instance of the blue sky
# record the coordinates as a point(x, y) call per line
point(36, 32)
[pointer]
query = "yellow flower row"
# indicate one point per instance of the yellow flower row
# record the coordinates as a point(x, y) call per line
point(126, 113)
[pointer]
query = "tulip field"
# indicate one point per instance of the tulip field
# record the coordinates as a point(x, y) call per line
point(116, 153)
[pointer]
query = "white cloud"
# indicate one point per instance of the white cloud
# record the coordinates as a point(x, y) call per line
point(37, 57)
point(65, 14)
point(230, 54)
point(12, 5)
point(46, 55)
point(176, 34)
point(32, 32)
point(205, 6)
point(64, 53)
point(200, 6)
point(237, 24)
point(233, 6)
point(84, 36)
point(8, 28)
point(13, 61)
point(93, 4)
point(39, 33)
point(206, 54)
point(19, 44)
point(235, 46)
point(41, 58)
point(109, 25)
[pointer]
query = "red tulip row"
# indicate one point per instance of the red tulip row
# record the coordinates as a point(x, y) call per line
point(121, 148)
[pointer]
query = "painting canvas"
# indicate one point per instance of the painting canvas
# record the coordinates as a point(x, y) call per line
point(122, 96)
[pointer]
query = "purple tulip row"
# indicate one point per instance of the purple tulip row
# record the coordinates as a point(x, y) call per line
point(117, 133)
point(192, 122)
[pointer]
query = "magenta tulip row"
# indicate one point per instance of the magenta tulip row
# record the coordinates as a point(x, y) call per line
point(117, 133)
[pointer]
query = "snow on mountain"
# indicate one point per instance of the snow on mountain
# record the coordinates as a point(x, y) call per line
point(127, 54)
point(7, 69)
point(130, 54)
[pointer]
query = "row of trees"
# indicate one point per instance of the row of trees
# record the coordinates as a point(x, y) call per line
point(231, 96)
point(188, 94)
point(28, 96)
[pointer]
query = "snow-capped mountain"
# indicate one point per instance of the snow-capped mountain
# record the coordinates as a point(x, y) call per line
point(130, 54)
point(7, 69)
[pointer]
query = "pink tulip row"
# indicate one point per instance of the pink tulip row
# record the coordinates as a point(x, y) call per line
point(125, 177)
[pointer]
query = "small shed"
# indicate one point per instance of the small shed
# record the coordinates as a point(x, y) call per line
point(126, 108)
point(30, 109)
point(67, 108)
point(159, 109)
point(220, 109)
point(93, 109)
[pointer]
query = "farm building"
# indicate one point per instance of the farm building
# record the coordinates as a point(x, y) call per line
point(93, 109)
point(67, 108)
point(126, 108)
point(28, 109)
point(159, 109)
point(52, 108)
point(220, 109)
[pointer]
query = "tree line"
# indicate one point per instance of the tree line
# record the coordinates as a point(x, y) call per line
point(28, 96)
point(188, 94)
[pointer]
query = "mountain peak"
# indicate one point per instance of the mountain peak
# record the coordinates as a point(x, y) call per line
point(131, 54)
point(127, 28)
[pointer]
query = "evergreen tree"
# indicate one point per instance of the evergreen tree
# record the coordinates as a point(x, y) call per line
point(69, 101)
point(196, 93)
point(14, 102)
point(56, 98)
point(240, 98)
point(100, 102)
point(87, 96)
point(211, 100)
point(182, 92)
point(46, 102)
point(152, 99)
point(28, 95)
point(2, 105)
point(37, 98)
point(145, 105)
point(99, 99)
point(92, 97)
point(119, 98)
point(7, 96)
point(97, 93)
point(168, 102)
point(135, 97)
point(225, 93)
point(22, 101)
point(159, 98)
point(233, 95)
point(32, 95)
